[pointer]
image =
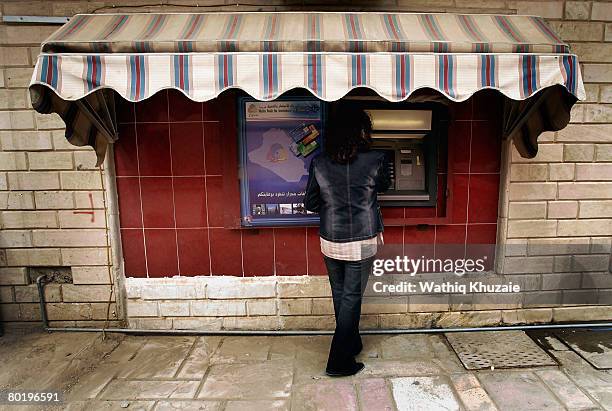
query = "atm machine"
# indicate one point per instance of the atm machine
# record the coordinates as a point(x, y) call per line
point(410, 144)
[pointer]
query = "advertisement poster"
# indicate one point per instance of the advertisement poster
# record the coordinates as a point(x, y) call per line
point(278, 140)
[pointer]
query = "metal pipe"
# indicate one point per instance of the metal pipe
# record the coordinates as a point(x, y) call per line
point(35, 19)
point(41, 298)
point(329, 332)
point(43, 314)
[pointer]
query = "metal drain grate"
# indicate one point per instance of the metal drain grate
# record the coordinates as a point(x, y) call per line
point(500, 349)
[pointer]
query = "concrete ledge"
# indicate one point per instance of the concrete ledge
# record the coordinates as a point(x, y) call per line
point(304, 303)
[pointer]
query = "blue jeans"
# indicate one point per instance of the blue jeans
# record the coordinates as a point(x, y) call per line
point(348, 280)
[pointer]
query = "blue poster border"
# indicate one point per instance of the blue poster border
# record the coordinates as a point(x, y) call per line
point(245, 205)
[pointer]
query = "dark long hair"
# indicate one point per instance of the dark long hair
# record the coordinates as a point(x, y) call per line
point(349, 131)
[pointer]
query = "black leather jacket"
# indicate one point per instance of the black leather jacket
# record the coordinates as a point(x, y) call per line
point(344, 195)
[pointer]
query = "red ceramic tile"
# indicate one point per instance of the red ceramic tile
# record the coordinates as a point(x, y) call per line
point(419, 234)
point(128, 193)
point(161, 252)
point(290, 251)
point(157, 145)
point(459, 134)
point(459, 198)
point(461, 111)
point(486, 147)
point(187, 147)
point(157, 206)
point(153, 149)
point(420, 252)
point(216, 201)
point(125, 110)
point(419, 241)
point(393, 235)
point(420, 212)
point(193, 251)
point(450, 234)
point(225, 252)
point(450, 241)
point(231, 202)
point(132, 244)
point(316, 264)
point(126, 155)
point(154, 108)
point(392, 212)
point(442, 160)
point(482, 233)
point(190, 202)
point(481, 240)
point(213, 146)
point(258, 252)
point(393, 238)
point(488, 105)
point(484, 194)
point(210, 110)
point(181, 108)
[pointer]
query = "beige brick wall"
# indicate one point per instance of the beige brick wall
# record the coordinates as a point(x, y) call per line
point(556, 209)
point(46, 215)
point(558, 202)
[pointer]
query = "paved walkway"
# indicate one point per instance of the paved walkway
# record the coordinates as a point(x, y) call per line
point(404, 372)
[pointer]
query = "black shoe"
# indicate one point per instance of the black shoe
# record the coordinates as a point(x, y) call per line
point(352, 370)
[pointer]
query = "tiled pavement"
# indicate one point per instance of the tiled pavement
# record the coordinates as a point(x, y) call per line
point(404, 372)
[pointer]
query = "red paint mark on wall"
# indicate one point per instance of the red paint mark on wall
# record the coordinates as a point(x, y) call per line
point(93, 215)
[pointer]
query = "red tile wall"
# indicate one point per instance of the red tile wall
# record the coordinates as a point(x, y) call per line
point(170, 186)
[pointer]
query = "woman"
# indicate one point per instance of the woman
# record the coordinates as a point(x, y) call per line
point(342, 188)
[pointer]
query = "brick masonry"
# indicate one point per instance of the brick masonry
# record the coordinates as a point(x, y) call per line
point(554, 215)
point(304, 302)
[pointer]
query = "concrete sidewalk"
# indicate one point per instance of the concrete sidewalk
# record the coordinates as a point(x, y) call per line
point(404, 372)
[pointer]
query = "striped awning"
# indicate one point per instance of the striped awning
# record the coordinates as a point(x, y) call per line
point(329, 54)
